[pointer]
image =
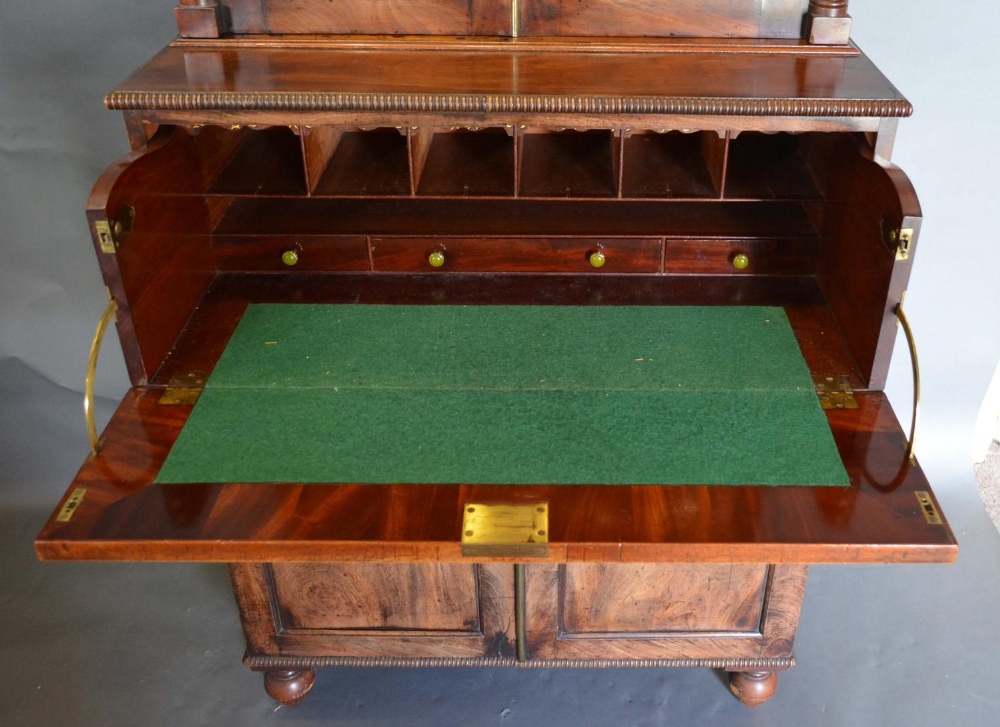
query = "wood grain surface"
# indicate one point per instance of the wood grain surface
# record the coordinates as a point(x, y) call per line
point(696, 18)
point(315, 253)
point(552, 255)
point(701, 18)
point(767, 257)
point(387, 17)
point(719, 611)
point(505, 84)
point(877, 519)
point(385, 616)
point(643, 598)
point(396, 596)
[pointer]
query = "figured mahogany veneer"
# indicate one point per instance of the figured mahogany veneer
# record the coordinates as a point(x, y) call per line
point(123, 517)
point(567, 255)
point(567, 87)
point(829, 22)
point(317, 152)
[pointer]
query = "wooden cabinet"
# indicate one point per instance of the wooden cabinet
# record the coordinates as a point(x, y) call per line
point(723, 154)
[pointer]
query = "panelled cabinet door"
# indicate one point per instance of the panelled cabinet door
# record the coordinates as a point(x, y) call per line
point(662, 611)
point(393, 610)
point(381, 17)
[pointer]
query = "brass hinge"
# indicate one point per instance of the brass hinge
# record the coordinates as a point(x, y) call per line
point(112, 233)
point(904, 238)
point(184, 389)
point(931, 514)
point(72, 503)
point(835, 392)
point(899, 241)
point(499, 531)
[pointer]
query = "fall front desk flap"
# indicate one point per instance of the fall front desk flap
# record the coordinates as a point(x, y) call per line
point(509, 395)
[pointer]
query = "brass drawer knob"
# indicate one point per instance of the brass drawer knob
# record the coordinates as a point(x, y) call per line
point(741, 261)
point(290, 257)
point(436, 259)
point(597, 259)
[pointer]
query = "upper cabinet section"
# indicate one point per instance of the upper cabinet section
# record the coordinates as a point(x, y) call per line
point(824, 22)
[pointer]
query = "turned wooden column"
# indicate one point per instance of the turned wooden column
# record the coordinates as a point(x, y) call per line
point(200, 18)
point(829, 23)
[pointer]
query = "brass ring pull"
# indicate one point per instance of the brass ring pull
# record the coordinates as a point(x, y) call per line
point(905, 324)
point(88, 387)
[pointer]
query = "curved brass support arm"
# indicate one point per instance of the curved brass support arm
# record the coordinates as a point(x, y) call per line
point(88, 388)
point(905, 324)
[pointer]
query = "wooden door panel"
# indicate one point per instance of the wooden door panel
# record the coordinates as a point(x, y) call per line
point(662, 611)
point(651, 599)
point(400, 596)
point(394, 610)
point(700, 18)
point(388, 17)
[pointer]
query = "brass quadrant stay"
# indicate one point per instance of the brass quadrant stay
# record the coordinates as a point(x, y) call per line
point(911, 343)
point(88, 387)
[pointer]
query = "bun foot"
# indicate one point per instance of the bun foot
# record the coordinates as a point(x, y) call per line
point(289, 687)
point(753, 688)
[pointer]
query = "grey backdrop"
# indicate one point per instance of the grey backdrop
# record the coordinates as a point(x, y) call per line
point(161, 641)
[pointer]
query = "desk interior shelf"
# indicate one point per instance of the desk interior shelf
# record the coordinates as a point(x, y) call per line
point(505, 162)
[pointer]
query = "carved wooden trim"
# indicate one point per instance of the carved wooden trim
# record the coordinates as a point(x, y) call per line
point(488, 103)
point(311, 662)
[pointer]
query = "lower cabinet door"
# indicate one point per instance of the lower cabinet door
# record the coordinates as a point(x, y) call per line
point(641, 611)
point(394, 610)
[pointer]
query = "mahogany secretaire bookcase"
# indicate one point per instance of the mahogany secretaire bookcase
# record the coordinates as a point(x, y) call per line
point(528, 333)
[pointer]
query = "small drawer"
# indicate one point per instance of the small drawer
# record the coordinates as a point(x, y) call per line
point(286, 253)
point(517, 255)
point(742, 257)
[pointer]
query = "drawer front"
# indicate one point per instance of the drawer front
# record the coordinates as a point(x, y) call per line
point(267, 253)
point(763, 257)
point(525, 254)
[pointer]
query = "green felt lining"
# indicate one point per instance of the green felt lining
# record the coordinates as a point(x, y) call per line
point(509, 395)
point(513, 348)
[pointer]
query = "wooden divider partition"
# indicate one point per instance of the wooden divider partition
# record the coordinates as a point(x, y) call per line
point(510, 161)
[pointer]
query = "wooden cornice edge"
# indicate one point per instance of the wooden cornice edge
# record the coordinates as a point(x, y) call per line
point(505, 103)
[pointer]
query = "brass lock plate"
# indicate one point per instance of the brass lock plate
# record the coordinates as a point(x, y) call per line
point(112, 233)
point(505, 531)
